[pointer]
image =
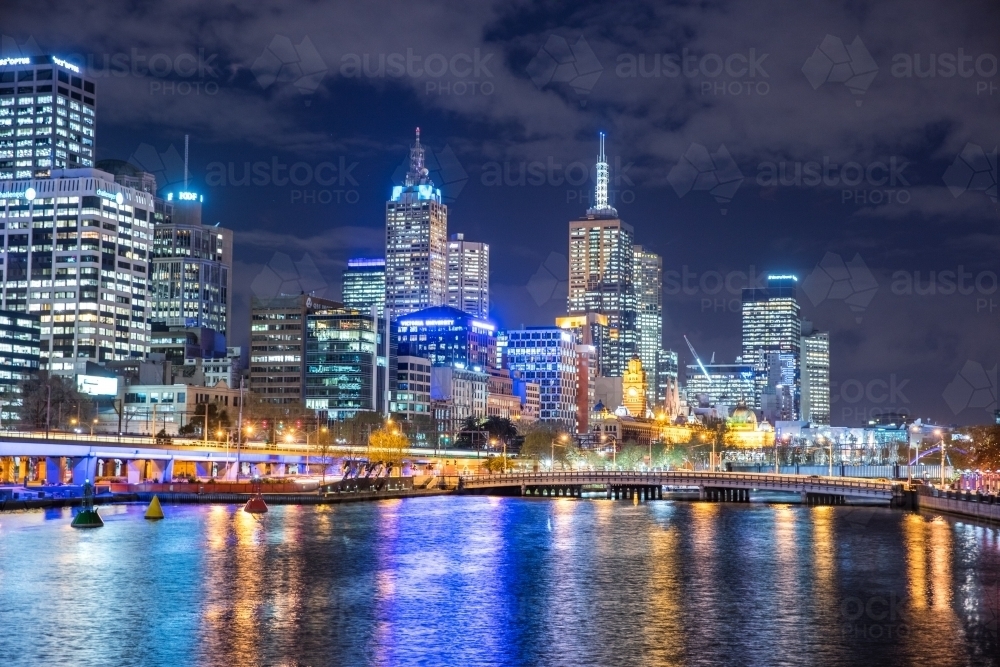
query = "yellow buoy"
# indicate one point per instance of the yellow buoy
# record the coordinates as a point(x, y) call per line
point(154, 511)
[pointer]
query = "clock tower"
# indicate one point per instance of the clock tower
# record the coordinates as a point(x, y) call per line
point(634, 388)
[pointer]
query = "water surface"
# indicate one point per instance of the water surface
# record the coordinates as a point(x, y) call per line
point(500, 581)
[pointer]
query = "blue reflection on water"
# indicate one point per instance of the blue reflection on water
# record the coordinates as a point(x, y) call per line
point(499, 581)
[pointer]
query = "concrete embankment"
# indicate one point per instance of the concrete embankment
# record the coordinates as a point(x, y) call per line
point(287, 498)
point(977, 506)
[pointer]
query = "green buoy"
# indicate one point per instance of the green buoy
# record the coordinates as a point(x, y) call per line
point(88, 516)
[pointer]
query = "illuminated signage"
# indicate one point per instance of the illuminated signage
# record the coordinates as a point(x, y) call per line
point(185, 196)
point(95, 385)
point(68, 65)
point(7, 62)
point(783, 277)
point(28, 194)
point(113, 196)
point(483, 325)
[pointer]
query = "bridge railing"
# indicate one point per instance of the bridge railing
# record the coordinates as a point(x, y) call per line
point(675, 477)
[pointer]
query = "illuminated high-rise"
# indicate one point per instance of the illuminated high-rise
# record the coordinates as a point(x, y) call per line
point(601, 277)
point(772, 332)
point(648, 272)
point(364, 284)
point(815, 365)
point(416, 242)
point(47, 117)
point(469, 276)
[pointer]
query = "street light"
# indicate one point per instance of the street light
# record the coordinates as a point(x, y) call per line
point(937, 432)
point(92, 425)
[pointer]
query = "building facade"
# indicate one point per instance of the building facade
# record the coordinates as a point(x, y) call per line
point(815, 365)
point(601, 272)
point(772, 334)
point(416, 242)
point(461, 392)
point(19, 354)
point(412, 397)
point(547, 356)
point(364, 284)
point(192, 283)
point(469, 276)
point(48, 117)
point(648, 272)
point(76, 249)
point(448, 336)
point(708, 385)
point(346, 367)
point(277, 346)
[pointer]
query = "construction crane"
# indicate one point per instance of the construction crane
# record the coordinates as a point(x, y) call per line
point(697, 358)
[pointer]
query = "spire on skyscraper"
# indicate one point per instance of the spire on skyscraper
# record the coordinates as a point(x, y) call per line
point(418, 173)
point(602, 206)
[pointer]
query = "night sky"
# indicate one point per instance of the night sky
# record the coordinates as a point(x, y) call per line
point(850, 143)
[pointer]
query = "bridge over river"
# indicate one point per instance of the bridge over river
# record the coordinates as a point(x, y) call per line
point(723, 486)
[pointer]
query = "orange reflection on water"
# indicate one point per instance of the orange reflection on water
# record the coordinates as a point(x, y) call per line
point(916, 560)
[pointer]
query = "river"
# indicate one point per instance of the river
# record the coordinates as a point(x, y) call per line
point(500, 581)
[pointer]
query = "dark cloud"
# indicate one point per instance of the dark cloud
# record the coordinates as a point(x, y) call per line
point(517, 86)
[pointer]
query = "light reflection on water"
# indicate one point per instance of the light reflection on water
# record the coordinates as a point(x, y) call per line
point(478, 580)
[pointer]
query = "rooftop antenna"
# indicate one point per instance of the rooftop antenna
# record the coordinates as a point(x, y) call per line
point(185, 162)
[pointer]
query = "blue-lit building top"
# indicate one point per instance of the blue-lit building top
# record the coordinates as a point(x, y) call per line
point(447, 336)
point(546, 356)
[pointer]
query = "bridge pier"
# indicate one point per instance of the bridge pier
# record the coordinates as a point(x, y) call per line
point(53, 469)
point(823, 499)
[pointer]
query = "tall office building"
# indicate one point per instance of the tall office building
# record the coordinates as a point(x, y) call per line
point(448, 337)
point(772, 332)
point(601, 272)
point(648, 279)
point(547, 356)
point(19, 348)
point(710, 385)
point(277, 346)
point(667, 389)
point(416, 242)
point(192, 277)
point(346, 369)
point(590, 329)
point(469, 276)
point(815, 365)
point(364, 284)
point(76, 248)
point(47, 117)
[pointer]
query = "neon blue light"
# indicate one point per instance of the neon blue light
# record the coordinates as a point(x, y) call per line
point(397, 192)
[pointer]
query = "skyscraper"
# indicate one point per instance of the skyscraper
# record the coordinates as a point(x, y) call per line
point(601, 272)
point(772, 333)
point(648, 279)
point(815, 364)
point(192, 281)
point(364, 284)
point(47, 117)
point(547, 356)
point(469, 276)
point(76, 255)
point(416, 242)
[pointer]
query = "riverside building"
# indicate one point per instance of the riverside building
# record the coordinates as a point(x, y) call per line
point(75, 250)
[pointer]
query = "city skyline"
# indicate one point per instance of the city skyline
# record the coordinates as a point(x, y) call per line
point(828, 235)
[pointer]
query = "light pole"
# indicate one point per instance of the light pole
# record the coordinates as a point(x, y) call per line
point(92, 425)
